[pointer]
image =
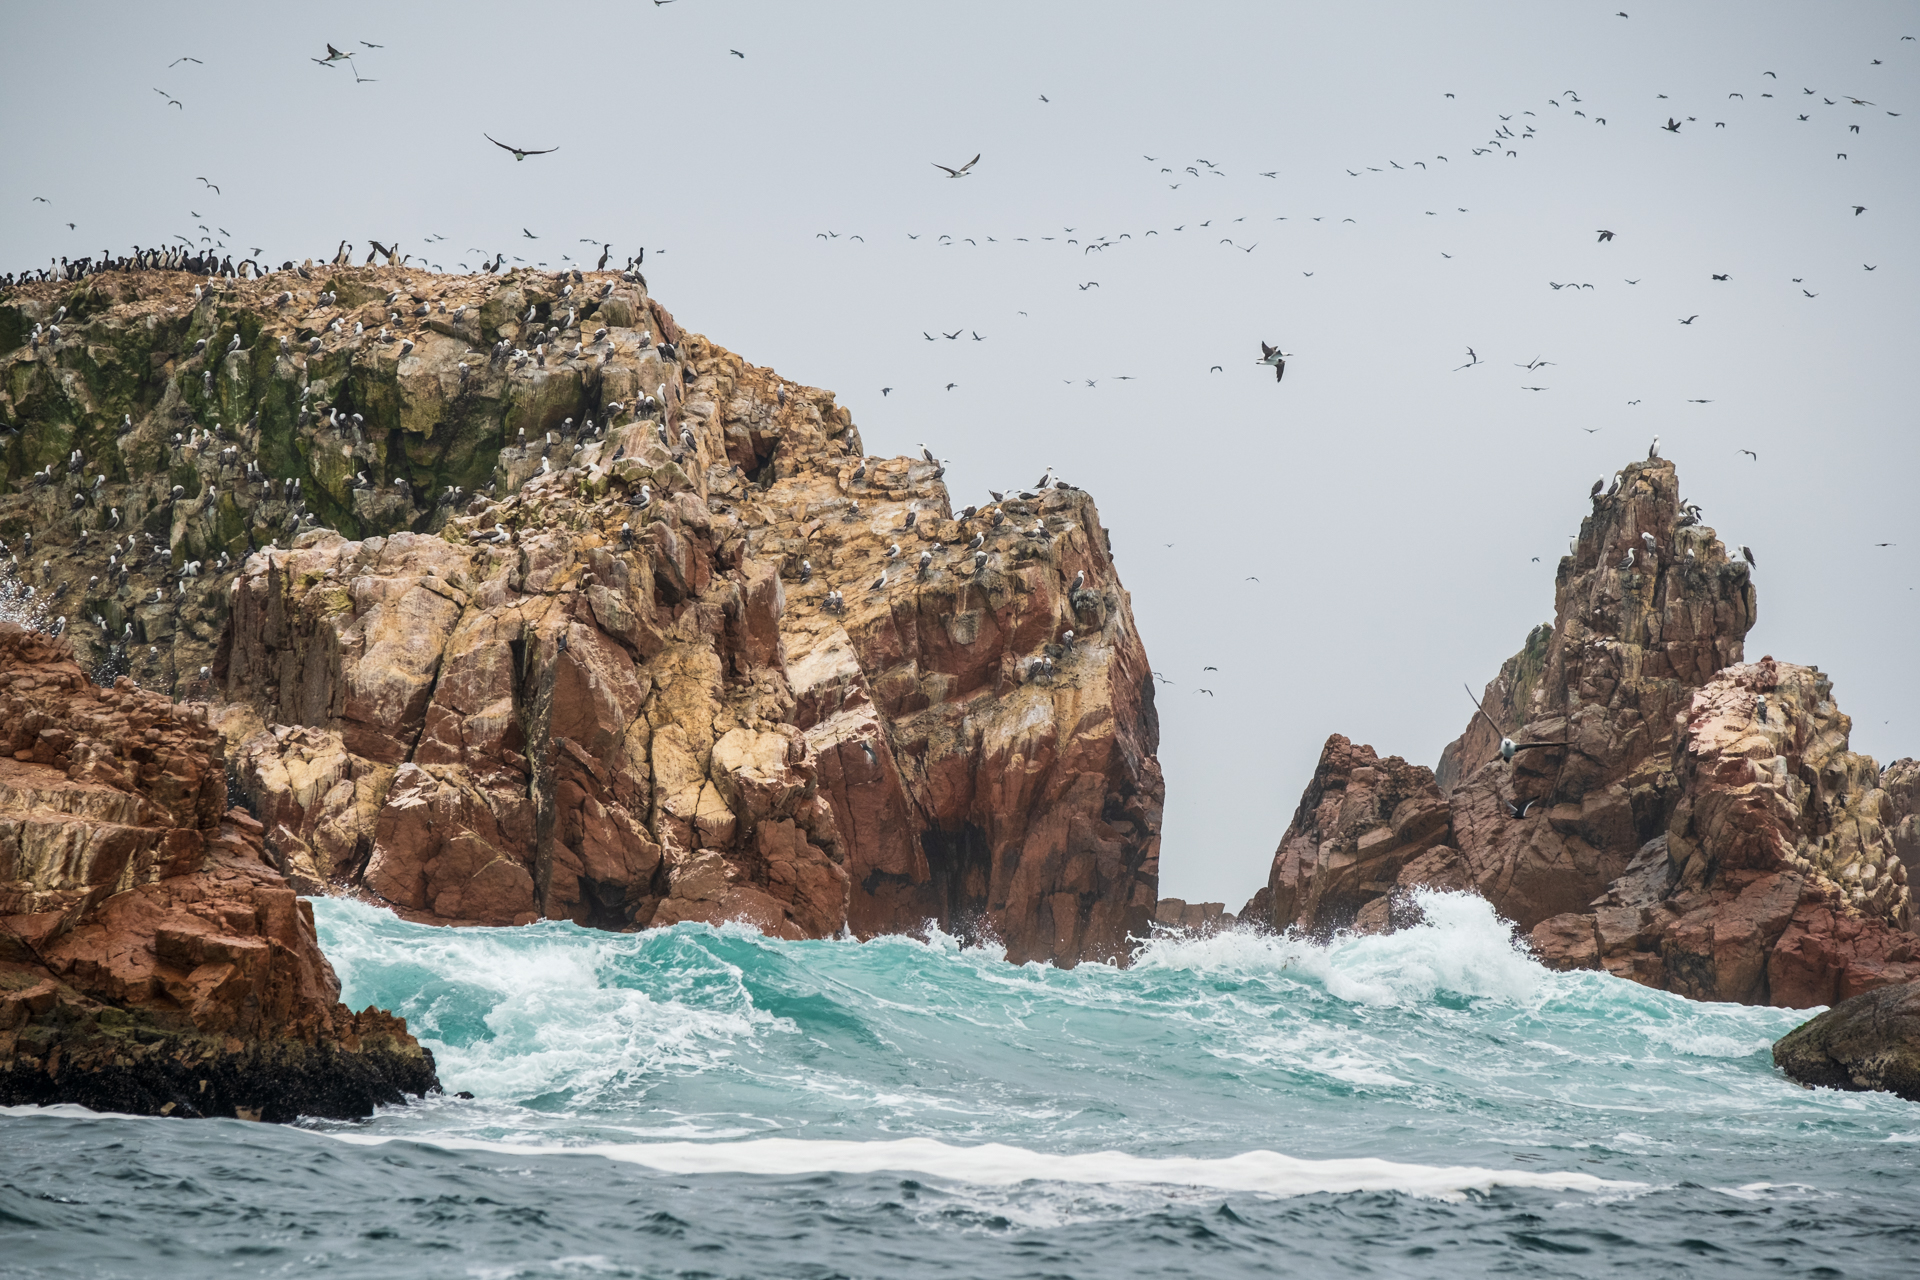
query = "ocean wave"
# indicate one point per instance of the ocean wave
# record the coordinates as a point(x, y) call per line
point(996, 1164)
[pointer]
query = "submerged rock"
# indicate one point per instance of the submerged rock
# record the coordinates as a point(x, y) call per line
point(1869, 1041)
point(152, 960)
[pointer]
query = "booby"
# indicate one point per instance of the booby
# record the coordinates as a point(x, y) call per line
point(893, 551)
point(1627, 561)
point(1598, 485)
point(879, 582)
point(1508, 747)
point(1079, 580)
point(1760, 709)
point(926, 561)
point(1746, 553)
point(1652, 547)
point(1653, 450)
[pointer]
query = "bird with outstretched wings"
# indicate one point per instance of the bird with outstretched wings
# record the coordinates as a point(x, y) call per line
point(1508, 747)
point(519, 153)
point(961, 172)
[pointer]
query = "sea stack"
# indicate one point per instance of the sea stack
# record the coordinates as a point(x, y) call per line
point(1705, 830)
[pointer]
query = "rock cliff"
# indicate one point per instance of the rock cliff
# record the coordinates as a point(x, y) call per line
point(1692, 822)
point(151, 958)
point(516, 602)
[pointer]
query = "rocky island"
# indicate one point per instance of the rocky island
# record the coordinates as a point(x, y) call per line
point(503, 599)
point(1694, 821)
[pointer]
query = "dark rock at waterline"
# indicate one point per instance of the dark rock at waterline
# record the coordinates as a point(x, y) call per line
point(1871, 1041)
point(152, 959)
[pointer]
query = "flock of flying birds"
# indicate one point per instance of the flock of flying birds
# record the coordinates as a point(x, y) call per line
point(1510, 137)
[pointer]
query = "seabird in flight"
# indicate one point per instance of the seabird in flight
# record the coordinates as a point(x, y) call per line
point(1275, 357)
point(962, 171)
point(518, 153)
point(1508, 747)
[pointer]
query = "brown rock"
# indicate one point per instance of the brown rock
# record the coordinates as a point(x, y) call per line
point(151, 958)
point(1359, 825)
point(1703, 828)
point(1869, 1041)
point(557, 703)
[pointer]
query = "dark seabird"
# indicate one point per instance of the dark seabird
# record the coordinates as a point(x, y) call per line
point(519, 153)
point(1746, 553)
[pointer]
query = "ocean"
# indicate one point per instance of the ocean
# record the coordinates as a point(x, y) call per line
point(699, 1102)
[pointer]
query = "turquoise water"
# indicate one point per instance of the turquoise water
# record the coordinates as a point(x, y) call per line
point(701, 1102)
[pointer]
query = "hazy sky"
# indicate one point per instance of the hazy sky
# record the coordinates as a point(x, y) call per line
point(1389, 505)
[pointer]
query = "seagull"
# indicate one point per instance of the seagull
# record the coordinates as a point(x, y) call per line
point(518, 154)
point(1507, 745)
point(962, 171)
point(1275, 357)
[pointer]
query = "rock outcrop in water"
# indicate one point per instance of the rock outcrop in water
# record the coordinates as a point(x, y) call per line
point(490, 662)
point(1704, 828)
point(1868, 1041)
point(151, 959)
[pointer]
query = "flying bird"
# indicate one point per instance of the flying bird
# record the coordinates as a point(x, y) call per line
point(736, 53)
point(1508, 747)
point(177, 61)
point(1606, 235)
point(216, 190)
point(1859, 209)
point(1690, 319)
point(1275, 357)
point(333, 55)
point(1751, 454)
point(962, 171)
point(519, 153)
point(1672, 125)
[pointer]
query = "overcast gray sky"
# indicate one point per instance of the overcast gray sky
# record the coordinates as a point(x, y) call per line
point(1390, 506)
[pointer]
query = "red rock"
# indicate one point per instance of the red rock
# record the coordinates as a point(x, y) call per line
point(151, 958)
point(637, 726)
point(1682, 838)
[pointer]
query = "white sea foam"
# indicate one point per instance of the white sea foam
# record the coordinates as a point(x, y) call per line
point(996, 1164)
point(1461, 945)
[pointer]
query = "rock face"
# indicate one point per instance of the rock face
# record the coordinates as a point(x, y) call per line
point(1870, 1041)
point(151, 958)
point(1676, 832)
point(490, 662)
point(1777, 881)
point(1361, 824)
